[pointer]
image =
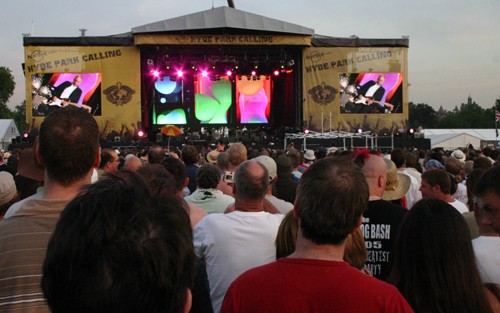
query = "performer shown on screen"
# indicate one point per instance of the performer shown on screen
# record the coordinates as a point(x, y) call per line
point(68, 93)
point(370, 97)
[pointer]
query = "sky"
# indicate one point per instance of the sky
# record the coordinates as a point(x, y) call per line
point(454, 45)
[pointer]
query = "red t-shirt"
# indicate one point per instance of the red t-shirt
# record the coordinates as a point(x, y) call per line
point(306, 285)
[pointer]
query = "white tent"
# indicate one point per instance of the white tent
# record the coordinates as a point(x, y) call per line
point(451, 139)
point(8, 131)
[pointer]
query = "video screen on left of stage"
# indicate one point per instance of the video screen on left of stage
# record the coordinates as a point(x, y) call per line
point(51, 91)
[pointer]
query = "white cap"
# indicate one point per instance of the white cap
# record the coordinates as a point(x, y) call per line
point(269, 164)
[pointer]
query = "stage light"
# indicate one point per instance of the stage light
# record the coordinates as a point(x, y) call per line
point(306, 131)
point(140, 133)
point(204, 74)
point(360, 130)
point(229, 73)
point(411, 130)
point(26, 135)
point(254, 73)
point(276, 73)
point(180, 73)
point(156, 74)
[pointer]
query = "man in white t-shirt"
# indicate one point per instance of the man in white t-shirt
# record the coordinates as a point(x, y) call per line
point(487, 214)
point(206, 195)
point(436, 184)
point(235, 242)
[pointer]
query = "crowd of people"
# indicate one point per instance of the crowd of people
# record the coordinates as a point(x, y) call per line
point(228, 228)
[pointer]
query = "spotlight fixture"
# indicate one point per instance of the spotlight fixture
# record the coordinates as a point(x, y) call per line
point(204, 74)
point(254, 73)
point(156, 74)
point(180, 73)
point(229, 73)
point(360, 130)
point(276, 73)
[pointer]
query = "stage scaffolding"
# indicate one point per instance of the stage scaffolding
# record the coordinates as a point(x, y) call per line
point(371, 141)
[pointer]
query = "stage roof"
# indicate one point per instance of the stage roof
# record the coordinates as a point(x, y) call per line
point(223, 17)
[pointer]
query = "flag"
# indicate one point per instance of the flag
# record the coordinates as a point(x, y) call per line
point(497, 119)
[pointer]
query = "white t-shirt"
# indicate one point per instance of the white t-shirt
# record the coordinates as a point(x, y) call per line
point(212, 200)
point(462, 208)
point(232, 244)
point(413, 194)
point(461, 193)
point(487, 251)
point(283, 206)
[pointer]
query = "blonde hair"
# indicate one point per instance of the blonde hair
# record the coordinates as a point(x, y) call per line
point(237, 154)
point(355, 250)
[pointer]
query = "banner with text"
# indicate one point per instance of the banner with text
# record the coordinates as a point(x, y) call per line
point(161, 39)
point(352, 88)
point(103, 80)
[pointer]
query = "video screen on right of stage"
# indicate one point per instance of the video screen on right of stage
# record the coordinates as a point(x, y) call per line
point(371, 93)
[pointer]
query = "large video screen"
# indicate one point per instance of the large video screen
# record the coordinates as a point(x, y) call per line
point(56, 90)
point(253, 99)
point(371, 93)
point(172, 100)
point(212, 99)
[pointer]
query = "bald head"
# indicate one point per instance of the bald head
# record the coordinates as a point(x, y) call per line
point(251, 180)
point(375, 172)
point(132, 163)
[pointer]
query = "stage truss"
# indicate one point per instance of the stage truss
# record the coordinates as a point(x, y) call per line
point(371, 140)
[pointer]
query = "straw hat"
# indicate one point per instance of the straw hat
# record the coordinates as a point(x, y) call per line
point(309, 155)
point(7, 187)
point(397, 183)
point(459, 155)
point(212, 156)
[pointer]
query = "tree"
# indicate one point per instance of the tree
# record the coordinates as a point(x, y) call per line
point(7, 86)
point(468, 116)
point(19, 116)
point(422, 114)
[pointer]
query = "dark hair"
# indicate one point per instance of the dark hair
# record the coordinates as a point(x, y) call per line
point(106, 157)
point(189, 154)
point(248, 184)
point(294, 155)
point(439, 177)
point(331, 198)
point(453, 166)
point(178, 169)
point(471, 182)
point(482, 162)
point(223, 161)
point(411, 160)
point(118, 249)
point(208, 176)
point(156, 154)
point(434, 264)
point(489, 182)
point(69, 144)
point(159, 180)
point(398, 157)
